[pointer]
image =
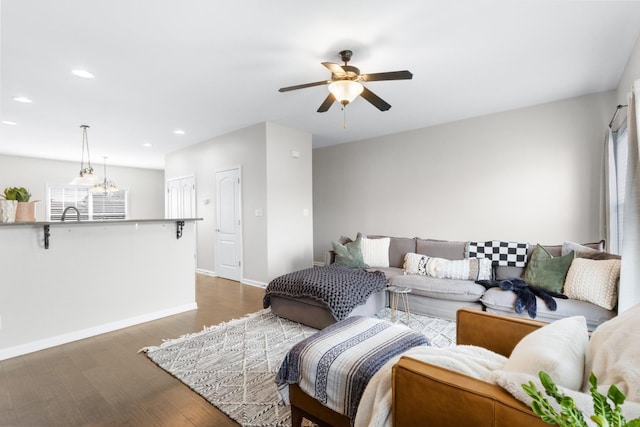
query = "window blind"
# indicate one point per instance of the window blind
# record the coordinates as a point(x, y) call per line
point(92, 206)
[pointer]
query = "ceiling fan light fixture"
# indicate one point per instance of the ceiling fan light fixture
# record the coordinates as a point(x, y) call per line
point(345, 91)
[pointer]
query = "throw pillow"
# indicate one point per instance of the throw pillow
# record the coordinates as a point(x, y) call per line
point(349, 254)
point(614, 354)
point(545, 271)
point(415, 264)
point(460, 269)
point(375, 252)
point(558, 348)
point(594, 281)
point(578, 249)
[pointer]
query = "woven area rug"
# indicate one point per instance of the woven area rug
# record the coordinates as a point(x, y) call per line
point(233, 365)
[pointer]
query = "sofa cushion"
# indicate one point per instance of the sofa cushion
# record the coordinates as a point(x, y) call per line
point(504, 272)
point(495, 300)
point(350, 253)
point(578, 249)
point(446, 289)
point(556, 250)
point(558, 348)
point(441, 248)
point(389, 272)
point(594, 281)
point(375, 252)
point(398, 247)
point(546, 271)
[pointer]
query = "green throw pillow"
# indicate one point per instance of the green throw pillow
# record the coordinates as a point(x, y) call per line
point(545, 271)
point(350, 253)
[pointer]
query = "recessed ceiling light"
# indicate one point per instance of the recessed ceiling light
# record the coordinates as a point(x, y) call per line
point(9, 122)
point(82, 73)
point(178, 132)
point(22, 99)
point(148, 145)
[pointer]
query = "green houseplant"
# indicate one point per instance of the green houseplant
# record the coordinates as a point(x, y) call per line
point(19, 194)
point(569, 415)
point(25, 210)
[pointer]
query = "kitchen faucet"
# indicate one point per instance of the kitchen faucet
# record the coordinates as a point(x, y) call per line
point(64, 213)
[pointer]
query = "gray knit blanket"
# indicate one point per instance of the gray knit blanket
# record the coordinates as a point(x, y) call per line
point(338, 287)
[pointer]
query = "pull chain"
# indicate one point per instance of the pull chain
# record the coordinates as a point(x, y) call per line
point(344, 118)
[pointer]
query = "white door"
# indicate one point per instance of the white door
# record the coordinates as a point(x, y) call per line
point(228, 226)
point(181, 197)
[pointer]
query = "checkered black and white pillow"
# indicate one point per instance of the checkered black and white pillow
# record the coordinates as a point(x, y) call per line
point(502, 253)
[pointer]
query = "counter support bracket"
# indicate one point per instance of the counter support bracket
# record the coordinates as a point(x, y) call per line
point(47, 234)
point(179, 226)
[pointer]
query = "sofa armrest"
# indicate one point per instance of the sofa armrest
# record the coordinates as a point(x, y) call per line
point(494, 332)
point(428, 395)
point(329, 258)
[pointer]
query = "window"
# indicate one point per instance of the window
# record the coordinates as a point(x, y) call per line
point(92, 206)
point(617, 177)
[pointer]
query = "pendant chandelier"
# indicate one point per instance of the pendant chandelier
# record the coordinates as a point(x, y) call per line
point(106, 187)
point(86, 176)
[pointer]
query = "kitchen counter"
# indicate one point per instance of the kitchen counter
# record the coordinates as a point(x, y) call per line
point(93, 277)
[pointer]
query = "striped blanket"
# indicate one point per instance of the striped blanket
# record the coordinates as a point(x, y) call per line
point(335, 365)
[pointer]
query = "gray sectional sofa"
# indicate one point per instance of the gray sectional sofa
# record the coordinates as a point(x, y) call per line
point(442, 297)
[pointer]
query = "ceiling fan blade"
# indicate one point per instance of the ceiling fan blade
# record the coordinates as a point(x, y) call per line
point(378, 102)
point(328, 102)
point(335, 69)
point(287, 89)
point(391, 75)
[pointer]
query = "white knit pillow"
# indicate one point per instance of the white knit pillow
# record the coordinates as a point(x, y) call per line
point(375, 252)
point(594, 281)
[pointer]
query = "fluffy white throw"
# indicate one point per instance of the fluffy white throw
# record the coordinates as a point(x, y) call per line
point(375, 406)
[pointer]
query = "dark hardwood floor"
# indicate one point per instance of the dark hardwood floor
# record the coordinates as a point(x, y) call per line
point(104, 381)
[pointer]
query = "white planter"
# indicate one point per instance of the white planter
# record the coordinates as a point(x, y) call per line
point(8, 210)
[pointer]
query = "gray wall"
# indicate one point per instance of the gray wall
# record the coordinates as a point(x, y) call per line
point(262, 152)
point(630, 74)
point(245, 148)
point(146, 196)
point(289, 201)
point(531, 174)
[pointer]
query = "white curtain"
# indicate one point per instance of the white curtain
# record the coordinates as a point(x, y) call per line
point(630, 272)
point(610, 195)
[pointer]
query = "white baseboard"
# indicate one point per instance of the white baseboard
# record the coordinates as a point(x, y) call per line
point(30, 347)
point(243, 281)
point(206, 272)
point(318, 264)
point(253, 283)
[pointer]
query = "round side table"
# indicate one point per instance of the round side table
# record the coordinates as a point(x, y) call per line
point(394, 295)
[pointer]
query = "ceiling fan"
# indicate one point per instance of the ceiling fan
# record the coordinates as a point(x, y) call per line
point(345, 84)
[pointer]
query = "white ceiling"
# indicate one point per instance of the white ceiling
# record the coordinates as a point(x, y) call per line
point(211, 67)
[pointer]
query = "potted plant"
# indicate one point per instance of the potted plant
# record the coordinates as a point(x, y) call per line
point(25, 209)
point(568, 414)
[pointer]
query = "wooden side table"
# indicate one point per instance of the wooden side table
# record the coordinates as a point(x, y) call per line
point(394, 294)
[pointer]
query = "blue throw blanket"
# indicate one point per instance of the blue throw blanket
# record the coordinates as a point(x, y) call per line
point(335, 365)
point(338, 287)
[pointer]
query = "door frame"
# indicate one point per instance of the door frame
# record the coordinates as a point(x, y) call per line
point(241, 225)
